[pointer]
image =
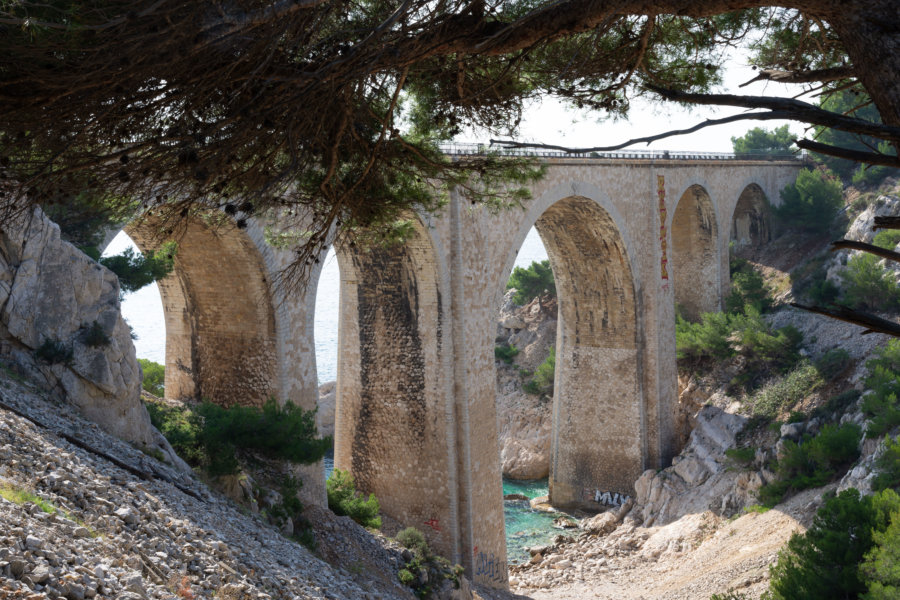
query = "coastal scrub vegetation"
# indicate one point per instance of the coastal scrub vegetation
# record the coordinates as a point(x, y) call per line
point(812, 202)
point(154, 380)
point(881, 404)
point(813, 462)
point(848, 552)
point(541, 381)
point(768, 142)
point(424, 570)
point(532, 281)
point(344, 499)
point(211, 437)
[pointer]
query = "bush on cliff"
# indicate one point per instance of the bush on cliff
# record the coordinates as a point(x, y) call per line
point(531, 282)
point(343, 499)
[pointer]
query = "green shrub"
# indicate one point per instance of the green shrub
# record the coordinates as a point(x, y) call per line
point(531, 282)
point(94, 335)
point(708, 339)
point(883, 379)
point(812, 202)
point(784, 392)
point(832, 363)
point(880, 569)
point(505, 352)
point(870, 175)
point(135, 270)
point(748, 290)
point(182, 427)
point(823, 292)
point(814, 462)
point(278, 432)
point(761, 141)
point(343, 499)
point(887, 465)
point(154, 377)
point(54, 352)
point(541, 382)
point(868, 285)
point(405, 577)
point(414, 539)
point(823, 563)
point(720, 336)
point(887, 239)
point(742, 456)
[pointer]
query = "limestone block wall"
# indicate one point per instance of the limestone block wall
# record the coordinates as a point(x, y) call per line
point(220, 326)
point(394, 418)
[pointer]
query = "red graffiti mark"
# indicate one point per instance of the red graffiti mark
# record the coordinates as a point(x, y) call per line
point(475, 551)
point(433, 523)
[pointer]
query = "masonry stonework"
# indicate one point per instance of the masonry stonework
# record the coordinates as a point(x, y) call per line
point(416, 420)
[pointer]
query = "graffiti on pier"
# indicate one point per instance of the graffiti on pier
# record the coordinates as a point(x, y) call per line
point(487, 567)
point(607, 498)
point(433, 523)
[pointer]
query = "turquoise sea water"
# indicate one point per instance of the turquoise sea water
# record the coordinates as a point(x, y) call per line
point(524, 526)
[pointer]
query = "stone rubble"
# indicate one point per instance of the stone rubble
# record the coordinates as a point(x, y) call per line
point(120, 536)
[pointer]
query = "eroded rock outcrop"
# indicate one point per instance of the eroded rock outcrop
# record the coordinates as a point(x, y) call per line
point(60, 323)
point(699, 479)
point(525, 420)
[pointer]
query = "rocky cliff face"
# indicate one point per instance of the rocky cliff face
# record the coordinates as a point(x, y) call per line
point(60, 323)
point(524, 419)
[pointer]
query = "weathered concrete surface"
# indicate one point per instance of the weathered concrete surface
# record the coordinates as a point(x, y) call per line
point(416, 418)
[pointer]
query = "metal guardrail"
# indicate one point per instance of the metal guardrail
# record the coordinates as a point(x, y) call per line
point(467, 149)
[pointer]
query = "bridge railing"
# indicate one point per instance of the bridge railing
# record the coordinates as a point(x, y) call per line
point(469, 149)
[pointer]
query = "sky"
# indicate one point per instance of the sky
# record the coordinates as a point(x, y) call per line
point(550, 122)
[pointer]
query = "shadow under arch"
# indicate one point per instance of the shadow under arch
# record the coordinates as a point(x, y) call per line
point(750, 223)
point(694, 260)
point(598, 439)
point(219, 317)
point(394, 424)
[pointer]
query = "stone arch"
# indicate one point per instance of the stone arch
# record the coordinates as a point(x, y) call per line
point(394, 419)
point(599, 439)
point(219, 317)
point(694, 259)
point(750, 221)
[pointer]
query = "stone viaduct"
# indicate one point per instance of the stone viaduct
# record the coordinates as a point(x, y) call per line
point(628, 237)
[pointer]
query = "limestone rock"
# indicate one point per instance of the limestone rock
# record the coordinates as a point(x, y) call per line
point(698, 479)
point(51, 292)
point(524, 419)
point(326, 408)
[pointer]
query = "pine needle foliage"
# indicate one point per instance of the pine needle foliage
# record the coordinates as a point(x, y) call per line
point(824, 563)
point(278, 432)
point(532, 281)
point(343, 499)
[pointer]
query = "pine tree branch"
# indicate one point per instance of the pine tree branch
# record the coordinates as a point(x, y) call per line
point(887, 223)
point(761, 116)
point(796, 109)
point(870, 248)
point(872, 158)
point(814, 76)
point(872, 323)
